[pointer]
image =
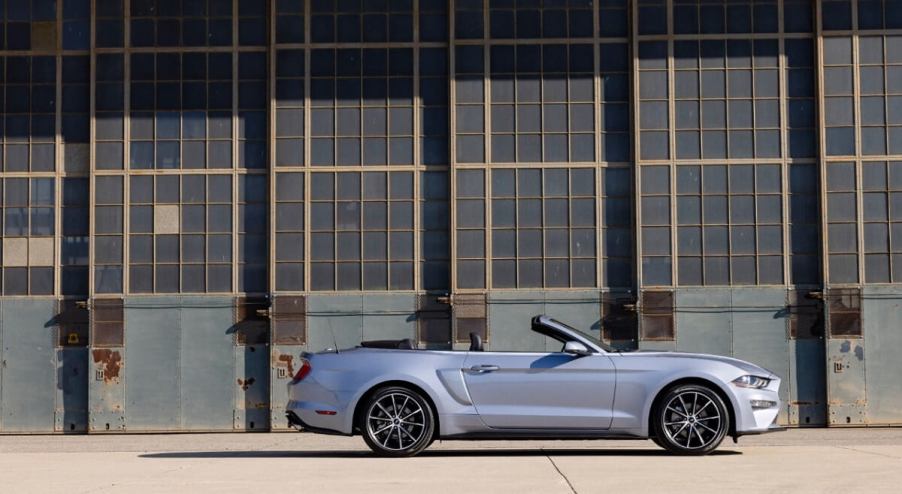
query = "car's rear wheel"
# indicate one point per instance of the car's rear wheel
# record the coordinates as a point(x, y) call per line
point(691, 420)
point(397, 421)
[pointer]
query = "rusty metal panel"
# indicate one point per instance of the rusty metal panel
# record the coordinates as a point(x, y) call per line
point(882, 318)
point(284, 362)
point(705, 321)
point(28, 359)
point(252, 391)
point(206, 363)
point(847, 391)
point(334, 320)
point(106, 389)
point(106, 366)
point(759, 333)
point(152, 376)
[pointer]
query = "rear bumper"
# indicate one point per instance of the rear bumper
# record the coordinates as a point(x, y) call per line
point(301, 426)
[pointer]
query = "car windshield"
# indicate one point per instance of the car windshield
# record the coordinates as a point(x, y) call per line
point(590, 337)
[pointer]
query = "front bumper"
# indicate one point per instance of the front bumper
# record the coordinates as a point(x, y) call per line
point(750, 420)
point(773, 428)
point(301, 426)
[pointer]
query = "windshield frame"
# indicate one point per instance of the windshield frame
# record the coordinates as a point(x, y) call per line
point(594, 342)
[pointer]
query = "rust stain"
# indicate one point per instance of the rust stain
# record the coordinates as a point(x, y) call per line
point(288, 361)
point(112, 363)
point(246, 383)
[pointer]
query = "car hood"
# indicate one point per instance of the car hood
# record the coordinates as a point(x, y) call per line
point(740, 364)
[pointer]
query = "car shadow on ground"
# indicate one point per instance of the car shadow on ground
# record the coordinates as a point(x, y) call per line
point(434, 453)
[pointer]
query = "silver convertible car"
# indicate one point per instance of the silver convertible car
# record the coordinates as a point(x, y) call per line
point(401, 399)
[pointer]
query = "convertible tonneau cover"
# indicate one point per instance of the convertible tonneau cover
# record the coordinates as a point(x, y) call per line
point(405, 344)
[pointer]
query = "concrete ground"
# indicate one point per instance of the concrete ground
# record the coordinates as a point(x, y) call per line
point(812, 460)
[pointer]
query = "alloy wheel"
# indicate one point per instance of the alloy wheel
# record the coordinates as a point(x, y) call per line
point(396, 421)
point(692, 420)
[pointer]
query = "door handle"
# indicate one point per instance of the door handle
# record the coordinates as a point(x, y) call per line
point(484, 368)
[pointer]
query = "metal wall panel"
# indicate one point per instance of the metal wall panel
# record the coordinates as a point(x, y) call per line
point(510, 313)
point(206, 364)
point(28, 359)
point(759, 333)
point(106, 390)
point(334, 320)
point(703, 321)
point(72, 390)
point(152, 364)
point(847, 390)
point(389, 316)
point(807, 382)
point(751, 324)
point(882, 319)
point(252, 392)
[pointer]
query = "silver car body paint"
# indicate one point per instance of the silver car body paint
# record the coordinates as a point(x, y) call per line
point(605, 394)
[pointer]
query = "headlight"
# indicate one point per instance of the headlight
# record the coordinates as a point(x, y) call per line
point(756, 382)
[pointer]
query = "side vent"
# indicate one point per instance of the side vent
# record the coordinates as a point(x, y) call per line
point(73, 323)
point(619, 325)
point(107, 323)
point(289, 320)
point(251, 321)
point(844, 309)
point(470, 317)
point(806, 315)
point(433, 321)
point(656, 320)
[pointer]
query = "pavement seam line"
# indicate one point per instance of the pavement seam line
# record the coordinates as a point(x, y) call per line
point(559, 472)
point(869, 452)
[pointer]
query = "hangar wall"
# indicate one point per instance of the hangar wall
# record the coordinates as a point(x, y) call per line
point(194, 192)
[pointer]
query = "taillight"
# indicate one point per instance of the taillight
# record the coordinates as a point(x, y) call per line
point(302, 372)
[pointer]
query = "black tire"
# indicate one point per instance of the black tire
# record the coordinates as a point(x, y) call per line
point(690, 420)
point(657, 441)
point(397, 422)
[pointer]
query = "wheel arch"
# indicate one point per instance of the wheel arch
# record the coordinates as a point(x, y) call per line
point(728, 402)
point(358, 407)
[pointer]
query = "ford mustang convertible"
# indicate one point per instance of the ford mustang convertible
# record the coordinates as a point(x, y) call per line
point(401, 399)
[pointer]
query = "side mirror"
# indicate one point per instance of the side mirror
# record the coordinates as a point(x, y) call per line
point(576, 348)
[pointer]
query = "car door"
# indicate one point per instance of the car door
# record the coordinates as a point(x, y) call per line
point(513, 390)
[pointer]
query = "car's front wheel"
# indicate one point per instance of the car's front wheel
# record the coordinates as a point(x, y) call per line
point(691, 420)
point(397, 421)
